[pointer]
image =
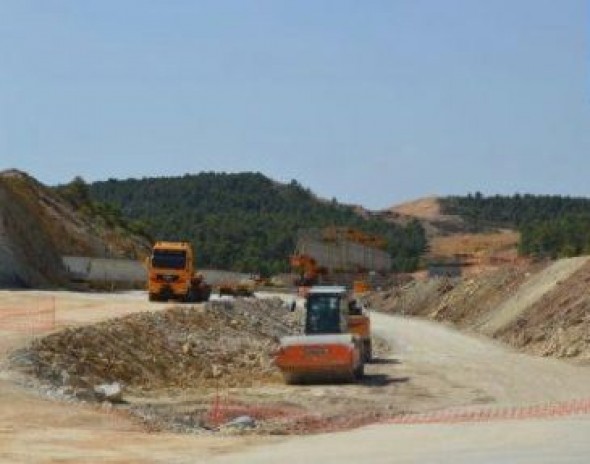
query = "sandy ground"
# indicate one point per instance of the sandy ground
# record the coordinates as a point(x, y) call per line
point(35, 429)
point(431, 367)
point(531, 442)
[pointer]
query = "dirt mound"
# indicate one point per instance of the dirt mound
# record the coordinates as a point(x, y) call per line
point(37, 228)
point(221, 343)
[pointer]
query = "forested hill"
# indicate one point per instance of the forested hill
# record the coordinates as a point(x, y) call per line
point(550, 225)
point(244, 222)
point(481, 211)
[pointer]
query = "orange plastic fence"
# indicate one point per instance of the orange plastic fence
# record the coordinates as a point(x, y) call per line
point(33, 318)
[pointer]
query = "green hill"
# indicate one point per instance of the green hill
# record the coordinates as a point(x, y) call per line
point(550, 225)
point(244, 222)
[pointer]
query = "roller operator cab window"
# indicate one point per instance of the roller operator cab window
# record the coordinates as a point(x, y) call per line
point(169, 259)
point(323, 314)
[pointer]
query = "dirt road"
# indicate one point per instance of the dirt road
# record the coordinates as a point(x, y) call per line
point(435, 368)
point(450, 365)
point(433, 354)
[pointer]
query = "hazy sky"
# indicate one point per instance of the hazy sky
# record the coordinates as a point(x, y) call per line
point(371, 102)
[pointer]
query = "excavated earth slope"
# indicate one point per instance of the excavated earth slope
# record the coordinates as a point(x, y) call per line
point(37, 228)
point(542, 309)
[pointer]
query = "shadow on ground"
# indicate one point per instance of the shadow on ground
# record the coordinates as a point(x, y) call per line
point(381, 380)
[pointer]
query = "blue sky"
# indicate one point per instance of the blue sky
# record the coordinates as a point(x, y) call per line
point(371, 102)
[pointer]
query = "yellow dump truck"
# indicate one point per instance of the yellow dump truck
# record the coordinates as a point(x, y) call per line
point(172, 274)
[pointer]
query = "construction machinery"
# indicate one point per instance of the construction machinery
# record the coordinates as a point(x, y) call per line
point(172, 274)
point(307, 270)
point(342, 256)
point(328, 350)
point(339, 255)
point(237, 289)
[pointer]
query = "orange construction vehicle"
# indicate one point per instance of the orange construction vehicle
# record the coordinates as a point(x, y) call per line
point(172, 274)
point(237, 289)
point(307, 269)
point(328, 350)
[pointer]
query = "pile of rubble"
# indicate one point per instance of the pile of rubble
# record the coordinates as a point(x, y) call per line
point(224, 343)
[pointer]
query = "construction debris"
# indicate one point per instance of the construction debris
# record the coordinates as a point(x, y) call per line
point(225, 343)
point(201, 369)
point(110, 392)
point(241, 422)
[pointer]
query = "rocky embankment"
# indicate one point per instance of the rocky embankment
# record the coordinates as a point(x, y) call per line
point(542, 309)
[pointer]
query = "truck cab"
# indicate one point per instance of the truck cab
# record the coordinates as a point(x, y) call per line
point(171, 274)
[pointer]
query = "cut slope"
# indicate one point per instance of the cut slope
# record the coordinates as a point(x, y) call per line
point(559, 323)
point(28, 257)
point(541, 309)
point(530, 293)
point(37, 227)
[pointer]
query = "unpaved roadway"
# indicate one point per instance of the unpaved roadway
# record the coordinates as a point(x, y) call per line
point(449, 363)
point(439, 366)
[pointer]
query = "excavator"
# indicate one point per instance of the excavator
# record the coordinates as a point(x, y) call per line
point(330, 349)
point(307, 270)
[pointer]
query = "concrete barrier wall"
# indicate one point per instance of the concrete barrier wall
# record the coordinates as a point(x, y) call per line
point(86, 269)
point(215, 277)
point(344, 255)
point(104, 270)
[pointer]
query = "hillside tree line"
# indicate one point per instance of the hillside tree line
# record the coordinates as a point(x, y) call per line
point(551, 226)
point(244, 222)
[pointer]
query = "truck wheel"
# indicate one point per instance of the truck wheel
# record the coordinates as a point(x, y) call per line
point(367, 351)
point(152, 297)
point(205, 293)
point(291, 379)
point(359, 372)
